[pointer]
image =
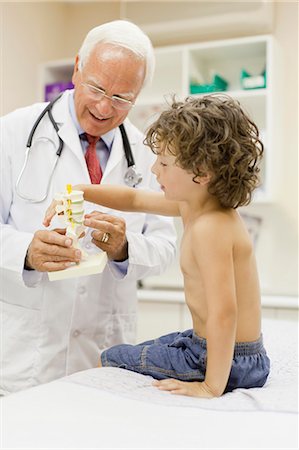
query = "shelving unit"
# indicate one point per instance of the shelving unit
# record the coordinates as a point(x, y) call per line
point(58, 71)
point(173, 312)
point(179, 66)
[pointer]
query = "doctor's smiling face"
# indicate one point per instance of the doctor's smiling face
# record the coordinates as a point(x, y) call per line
point(111, 70)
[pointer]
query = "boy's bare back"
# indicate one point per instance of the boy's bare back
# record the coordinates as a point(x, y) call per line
point(216, 245)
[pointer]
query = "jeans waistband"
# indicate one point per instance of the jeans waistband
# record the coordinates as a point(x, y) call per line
point(241, 348)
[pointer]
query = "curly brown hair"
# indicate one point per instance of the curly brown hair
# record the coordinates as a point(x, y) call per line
point(212, 134)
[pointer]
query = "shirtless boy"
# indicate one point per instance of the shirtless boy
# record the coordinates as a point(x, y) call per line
point(208, 152)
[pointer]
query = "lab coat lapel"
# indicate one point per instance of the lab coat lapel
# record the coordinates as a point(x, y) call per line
point(117, 155)
point(67, 129)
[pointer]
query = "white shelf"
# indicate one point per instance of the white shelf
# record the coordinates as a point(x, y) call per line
point(199, 19)
point(54, 71)
point(177, 296)
point(178, 66)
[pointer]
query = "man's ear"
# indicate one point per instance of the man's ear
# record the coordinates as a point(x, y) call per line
point(76, 70)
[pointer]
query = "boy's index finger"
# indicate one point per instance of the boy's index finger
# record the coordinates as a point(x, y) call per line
point(52, 210)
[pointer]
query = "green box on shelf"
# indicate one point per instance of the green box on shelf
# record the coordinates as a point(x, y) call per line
point(253, 81)
point(218, 84)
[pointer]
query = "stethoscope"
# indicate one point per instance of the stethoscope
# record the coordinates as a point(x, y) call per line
point(132, 178)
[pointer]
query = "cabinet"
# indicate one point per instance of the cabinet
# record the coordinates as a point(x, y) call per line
point(54, 74)
point(179, 67)
point(161, 312)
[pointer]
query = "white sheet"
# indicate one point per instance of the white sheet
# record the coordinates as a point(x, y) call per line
point(279, 393)
point(94, 409)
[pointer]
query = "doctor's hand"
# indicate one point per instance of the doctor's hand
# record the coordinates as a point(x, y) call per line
point(109, 234)
point(51, 250)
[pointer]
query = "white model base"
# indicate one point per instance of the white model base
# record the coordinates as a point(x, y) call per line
point(94, 264)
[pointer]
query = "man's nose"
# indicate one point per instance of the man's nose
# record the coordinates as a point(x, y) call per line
point(104, 106)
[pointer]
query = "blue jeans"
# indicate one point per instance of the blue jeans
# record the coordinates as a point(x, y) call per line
point(184, 355)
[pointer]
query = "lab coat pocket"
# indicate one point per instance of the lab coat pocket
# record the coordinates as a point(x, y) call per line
point(23, 297)
point(20, 328)
point(123, 328)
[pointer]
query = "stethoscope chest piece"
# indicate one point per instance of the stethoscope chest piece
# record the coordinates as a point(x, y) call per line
point(132, 177)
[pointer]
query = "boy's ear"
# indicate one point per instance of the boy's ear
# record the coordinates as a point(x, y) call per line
point(205, 179)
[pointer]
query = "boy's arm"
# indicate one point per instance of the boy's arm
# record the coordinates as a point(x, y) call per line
point(122, 198)
point(129, 199)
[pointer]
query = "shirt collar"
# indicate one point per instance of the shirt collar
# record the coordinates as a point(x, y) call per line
point(107, 137)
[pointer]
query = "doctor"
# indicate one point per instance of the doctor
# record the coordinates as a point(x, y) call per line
point(52, 329)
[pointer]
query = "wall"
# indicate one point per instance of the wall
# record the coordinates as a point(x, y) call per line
point(36, 32)
point(30, 34)
point(82, 16)
point(277, 250)
point(171, 22)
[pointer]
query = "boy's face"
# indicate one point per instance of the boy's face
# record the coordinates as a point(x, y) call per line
point(176, 183)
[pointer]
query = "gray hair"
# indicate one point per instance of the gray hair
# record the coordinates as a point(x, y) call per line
point(124, 34)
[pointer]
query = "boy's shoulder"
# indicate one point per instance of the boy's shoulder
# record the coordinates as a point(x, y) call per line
point(214, 223)
point(217, 217)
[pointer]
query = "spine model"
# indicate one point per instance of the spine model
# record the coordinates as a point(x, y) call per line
point(70, 209)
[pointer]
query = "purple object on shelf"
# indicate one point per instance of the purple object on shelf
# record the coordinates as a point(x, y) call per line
point(54, 89)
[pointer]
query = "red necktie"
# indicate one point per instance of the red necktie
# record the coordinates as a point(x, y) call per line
point(93, 164)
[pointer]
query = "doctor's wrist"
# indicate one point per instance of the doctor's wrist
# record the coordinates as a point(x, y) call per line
point(26, 263)
point(123, 255)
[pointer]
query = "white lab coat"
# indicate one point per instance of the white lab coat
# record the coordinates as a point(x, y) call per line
point(52, 329)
